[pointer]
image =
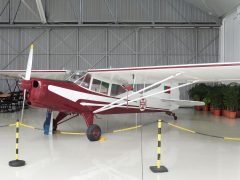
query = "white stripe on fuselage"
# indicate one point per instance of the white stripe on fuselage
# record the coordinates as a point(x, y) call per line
point(76, 95)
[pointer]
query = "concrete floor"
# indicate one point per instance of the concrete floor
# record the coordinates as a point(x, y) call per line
point(72, 157)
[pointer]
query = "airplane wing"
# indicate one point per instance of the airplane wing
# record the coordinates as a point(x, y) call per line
point(211, 72)
point(46, 74)
point(186, 74)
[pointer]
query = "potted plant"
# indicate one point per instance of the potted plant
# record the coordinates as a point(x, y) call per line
point(207, 102)
point(231, 99)
point(238, 108)
point(197, 98)
point(198, 93)
point(215, 95)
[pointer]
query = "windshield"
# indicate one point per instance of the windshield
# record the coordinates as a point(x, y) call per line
point(81, 79)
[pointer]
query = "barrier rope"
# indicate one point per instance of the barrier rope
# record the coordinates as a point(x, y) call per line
point(134, 127)
point(203, 134)
point(182, 129)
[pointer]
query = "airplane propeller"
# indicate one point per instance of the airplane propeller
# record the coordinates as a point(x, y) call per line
point(27, 78)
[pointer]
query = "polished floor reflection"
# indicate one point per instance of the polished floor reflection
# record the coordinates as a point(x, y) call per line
point(124, 155)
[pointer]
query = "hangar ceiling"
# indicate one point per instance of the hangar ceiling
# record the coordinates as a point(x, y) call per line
point(103, 11)
point(215, 7)
point(129, 11)
point(81, 34)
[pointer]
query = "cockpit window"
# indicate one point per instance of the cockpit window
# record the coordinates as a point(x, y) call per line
point(104, 88)
point(96, 85)
point(86, 81)
point(117, 89)
point(100, 86)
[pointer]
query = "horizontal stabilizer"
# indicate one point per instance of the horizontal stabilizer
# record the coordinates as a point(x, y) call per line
point(183, 103)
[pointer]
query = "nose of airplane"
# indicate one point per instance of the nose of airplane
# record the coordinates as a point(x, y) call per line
point(26, 84)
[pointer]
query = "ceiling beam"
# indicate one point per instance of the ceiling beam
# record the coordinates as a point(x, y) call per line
point(140, 25)
point(41, 11)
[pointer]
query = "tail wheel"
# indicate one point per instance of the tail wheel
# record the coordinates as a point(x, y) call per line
point(93, 132)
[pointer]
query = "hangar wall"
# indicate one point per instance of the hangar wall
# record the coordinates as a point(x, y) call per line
point(105, 34)
point(230, 37)
point(81, 48)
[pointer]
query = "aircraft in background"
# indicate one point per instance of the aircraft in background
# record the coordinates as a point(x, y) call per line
point(114, 91)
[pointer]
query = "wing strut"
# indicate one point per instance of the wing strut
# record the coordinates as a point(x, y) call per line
point(136, 99)
point(141, 90)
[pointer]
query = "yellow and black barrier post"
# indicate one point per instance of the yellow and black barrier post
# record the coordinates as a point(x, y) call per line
point(158, 168)
point(17, 162)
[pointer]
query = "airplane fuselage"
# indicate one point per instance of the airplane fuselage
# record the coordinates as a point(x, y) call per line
point(64, 96)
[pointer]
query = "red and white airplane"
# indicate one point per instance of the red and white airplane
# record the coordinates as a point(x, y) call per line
point(113, 91)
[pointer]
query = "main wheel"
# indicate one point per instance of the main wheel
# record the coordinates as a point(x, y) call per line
point(93, 132)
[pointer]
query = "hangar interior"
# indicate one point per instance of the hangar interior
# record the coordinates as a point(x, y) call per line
point(93, 34)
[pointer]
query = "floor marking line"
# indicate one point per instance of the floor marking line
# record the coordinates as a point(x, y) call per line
point(127, 129)
point(72, 133)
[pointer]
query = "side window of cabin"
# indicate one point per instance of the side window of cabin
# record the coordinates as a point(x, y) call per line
point(86, 81)
point(104, 88)
point(117, 89)
point(96, 85)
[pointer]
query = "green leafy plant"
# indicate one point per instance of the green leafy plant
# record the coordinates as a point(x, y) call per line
point(216, 96)
point(231, 97)
point(207, 100)
point(201, 90)
point(196, 97)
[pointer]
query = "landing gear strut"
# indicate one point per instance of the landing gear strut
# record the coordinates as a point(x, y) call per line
point(93, 132)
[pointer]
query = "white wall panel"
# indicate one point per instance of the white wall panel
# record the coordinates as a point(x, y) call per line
point(40, 48)
point(63, 11)
point(25, 11)
point(179, 11)
point(63, 48)
point(4, 10)
point(9, 48)
point(208, 45)
point(99, 10)
point(117, 61)
point(135, 10)
point(92, 48)
point(230, 45)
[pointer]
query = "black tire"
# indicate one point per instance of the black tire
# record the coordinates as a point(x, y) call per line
point(93, 132)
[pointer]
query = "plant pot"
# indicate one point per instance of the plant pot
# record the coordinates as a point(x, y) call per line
point(216, 112)
point(198, 108)
point(206, 108)
point(238, 113)
point(225, 112)
point(232, 114)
